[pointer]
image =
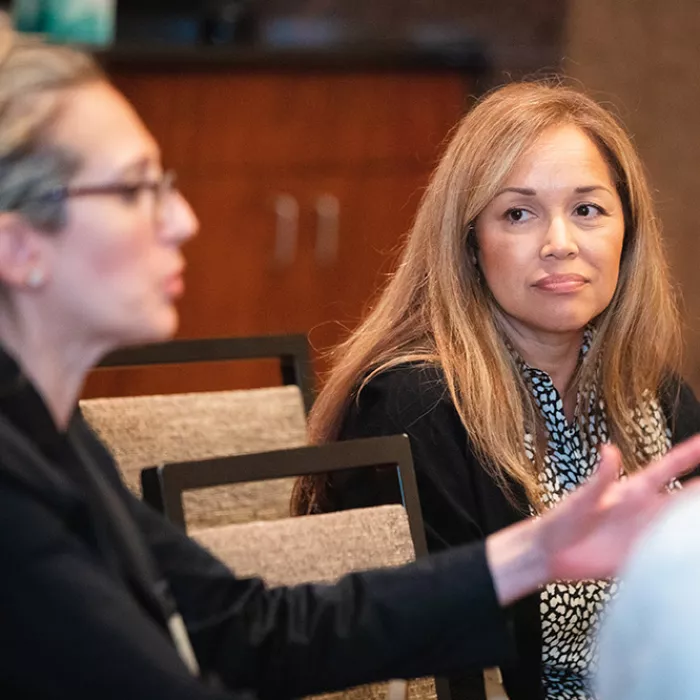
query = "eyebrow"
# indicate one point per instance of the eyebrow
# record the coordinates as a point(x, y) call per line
point(528, 192)
point(136, 167)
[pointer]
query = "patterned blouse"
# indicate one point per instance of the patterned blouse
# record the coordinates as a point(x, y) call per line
point(570, 612)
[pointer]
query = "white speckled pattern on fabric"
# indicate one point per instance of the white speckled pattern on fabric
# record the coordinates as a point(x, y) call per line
point(570, 612)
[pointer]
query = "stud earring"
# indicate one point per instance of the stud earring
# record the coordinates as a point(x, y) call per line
point(35, 278)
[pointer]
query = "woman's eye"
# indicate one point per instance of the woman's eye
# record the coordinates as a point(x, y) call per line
point(588, 211)
point(517, 216)
point(130, 193)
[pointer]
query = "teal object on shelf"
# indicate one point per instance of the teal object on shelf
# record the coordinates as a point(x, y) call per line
point(27, 15)
point(78, 21)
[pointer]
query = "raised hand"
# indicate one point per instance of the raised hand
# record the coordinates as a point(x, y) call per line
point(590, 534)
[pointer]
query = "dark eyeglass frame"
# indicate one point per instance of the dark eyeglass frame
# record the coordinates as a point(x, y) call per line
point(161, 186)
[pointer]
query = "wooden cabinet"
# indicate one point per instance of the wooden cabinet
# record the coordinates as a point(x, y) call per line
point(304, 183)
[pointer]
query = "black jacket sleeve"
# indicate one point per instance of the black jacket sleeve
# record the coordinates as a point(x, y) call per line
point(70, 628)
point(682, 411)
point(427, 618)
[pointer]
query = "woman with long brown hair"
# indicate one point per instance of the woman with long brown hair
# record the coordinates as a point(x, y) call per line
point(530, 319)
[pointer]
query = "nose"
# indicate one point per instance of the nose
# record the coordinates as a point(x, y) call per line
point(180, 222)
point(559, 241)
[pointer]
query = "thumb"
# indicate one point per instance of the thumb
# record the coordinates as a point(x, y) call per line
point(605, 475)
point(610, 462)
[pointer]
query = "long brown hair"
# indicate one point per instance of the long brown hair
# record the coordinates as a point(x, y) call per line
point(435, 309)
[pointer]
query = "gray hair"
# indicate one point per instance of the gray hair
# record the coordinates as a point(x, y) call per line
point(32, 76)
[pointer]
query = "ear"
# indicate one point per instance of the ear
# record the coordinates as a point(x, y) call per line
point(23, 256)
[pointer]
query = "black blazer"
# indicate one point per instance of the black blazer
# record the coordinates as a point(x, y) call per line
point(461, 503)
point(74, 622)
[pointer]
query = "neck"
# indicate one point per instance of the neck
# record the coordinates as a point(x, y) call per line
point(54, 361)
point(557, 354)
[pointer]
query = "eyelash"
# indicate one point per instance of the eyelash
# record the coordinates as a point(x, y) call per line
point(601, 211)
point(130, 193)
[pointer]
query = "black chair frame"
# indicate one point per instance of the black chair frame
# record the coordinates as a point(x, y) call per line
point(291, 350)
point(163, 486)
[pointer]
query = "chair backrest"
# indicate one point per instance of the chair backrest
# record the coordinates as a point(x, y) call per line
point(291, 350)
point(309, 548)
point(146, 430)
point(165, 485)
point(318, 548)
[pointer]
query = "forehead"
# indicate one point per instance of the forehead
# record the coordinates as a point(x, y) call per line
point(98, 124)
point(562, 154)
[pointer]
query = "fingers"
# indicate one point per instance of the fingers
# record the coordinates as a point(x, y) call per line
point(610, 458)
point(606, 474)
point(689, 487)
point(678, 461)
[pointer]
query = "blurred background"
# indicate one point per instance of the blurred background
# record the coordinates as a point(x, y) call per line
point(303, 132)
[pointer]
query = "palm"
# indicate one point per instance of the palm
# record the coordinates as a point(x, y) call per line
point(592, 532)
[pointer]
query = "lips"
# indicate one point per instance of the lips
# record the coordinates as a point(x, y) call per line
point(561, 283)
point(174, 285)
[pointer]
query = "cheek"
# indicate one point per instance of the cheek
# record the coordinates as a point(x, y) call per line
point(503, 264)
point(116, 263)
point(607, 258)
point(120, 258)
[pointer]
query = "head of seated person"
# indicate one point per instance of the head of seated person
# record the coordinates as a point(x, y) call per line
point(535, 246)
point(90, 226)
point(650, 639)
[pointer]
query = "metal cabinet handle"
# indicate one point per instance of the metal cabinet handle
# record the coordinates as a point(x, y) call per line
point(287, 229)
point(328, 229)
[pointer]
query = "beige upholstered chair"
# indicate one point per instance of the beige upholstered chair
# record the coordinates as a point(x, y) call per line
point(322, 548)
point(311, 548)
point(316, 548)
point(145, 430)
point(299, 550)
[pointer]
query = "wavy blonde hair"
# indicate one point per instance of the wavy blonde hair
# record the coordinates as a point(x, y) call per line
point(435, 308)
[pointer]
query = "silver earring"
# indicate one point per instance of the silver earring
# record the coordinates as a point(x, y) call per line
point(35, 278)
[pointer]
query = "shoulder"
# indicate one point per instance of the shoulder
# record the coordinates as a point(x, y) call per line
point(403, 397)
point(410, 388)
point(681, 408)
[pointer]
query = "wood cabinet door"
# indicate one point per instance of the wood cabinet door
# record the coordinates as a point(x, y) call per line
point(304, 184)
point(250, 271)
point(291, 255)
point(375, 211)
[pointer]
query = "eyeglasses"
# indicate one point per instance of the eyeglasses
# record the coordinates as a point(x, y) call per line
point(161, 187)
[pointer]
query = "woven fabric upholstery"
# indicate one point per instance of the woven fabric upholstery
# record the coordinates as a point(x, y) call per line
point(142, 431)
point(320, 548)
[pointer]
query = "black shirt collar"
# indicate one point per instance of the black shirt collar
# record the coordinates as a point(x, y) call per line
point(25, 408)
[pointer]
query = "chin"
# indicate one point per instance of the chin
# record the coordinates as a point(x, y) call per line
point(564, 317)
point(564, 324)
point(158, 329)
point(167, 326)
